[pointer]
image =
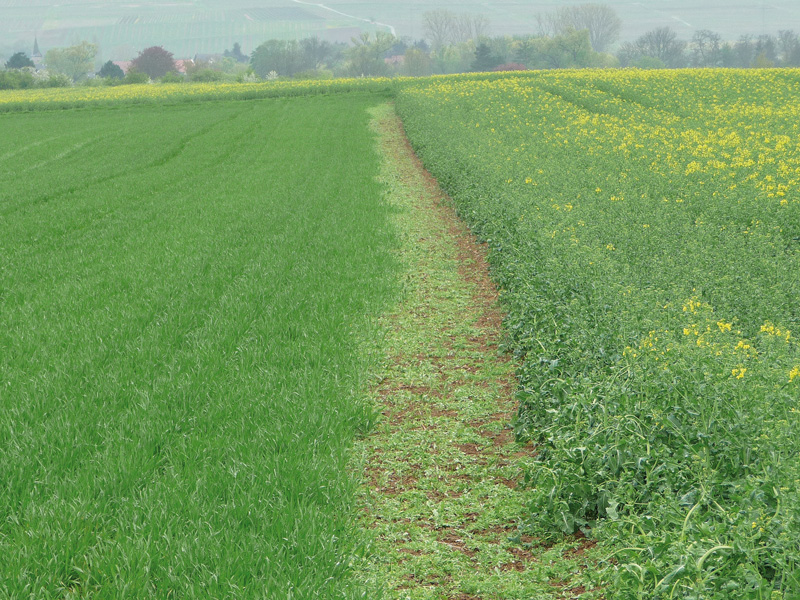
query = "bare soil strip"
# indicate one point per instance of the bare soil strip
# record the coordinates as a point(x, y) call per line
point(442, 466)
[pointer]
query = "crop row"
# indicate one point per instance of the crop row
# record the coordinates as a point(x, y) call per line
point(645, 231)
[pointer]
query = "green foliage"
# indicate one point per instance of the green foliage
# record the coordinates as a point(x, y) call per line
point(74, 62)
point(283, 57)
point(111, 71)
point(416, 63)
point(237, 54)
point(762, 61)
point(485, 60)
point(98, 82)
point(600, 22)
point(287, 58)
point(15, 79)
point(631, 228)
point(453, 59)
point(366, 57)
point(55, 80)
point(648, 62)
point(180, 359)
point(135, 78)
point(175, 77)
point(19, 60)
point(562, 51)
point(206, 75)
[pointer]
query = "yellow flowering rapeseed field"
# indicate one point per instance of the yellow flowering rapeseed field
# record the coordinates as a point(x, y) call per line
point(55, 98)
point(644, 227)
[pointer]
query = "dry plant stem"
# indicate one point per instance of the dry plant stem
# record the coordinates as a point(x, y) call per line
point(442, 465)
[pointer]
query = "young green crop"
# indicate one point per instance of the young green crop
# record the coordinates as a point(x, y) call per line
point(645, 228)
point(182, 293)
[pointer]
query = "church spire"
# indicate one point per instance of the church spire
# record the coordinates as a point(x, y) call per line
point(36, 51)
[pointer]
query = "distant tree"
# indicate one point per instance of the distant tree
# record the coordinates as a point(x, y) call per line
point(762, 61)
point(763, 51)
point(193, 66)
point(789, 45)
point(55, 80)
point(318, 54)
point(288, 58)
point(172, 77)
point(571, 49)
point(502, 47)
point(236, 54)
point(728, 58)
point(525, 50)
point(766, 50)
point(627, 54)
point(416, 63)
point(745, 51)
point(111, 71)
point(74, 62)
point(16, 79)
point(468, 27)
point(399, 46)
point(229, 66)
point(438, 26)
point(601, 21)
point(706, 49)
point(155, 62)
point(445, 28)
point(566, 51)
point(648, 62)
point(457, 58)
point(19, 60)
point(281, 56)
point(366, 56)
point(661, 43)
point(135, 77)
point(485, 59)
point(206, 75)
point(422, 45)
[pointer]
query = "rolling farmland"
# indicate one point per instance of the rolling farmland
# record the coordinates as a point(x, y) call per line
point(190, 280)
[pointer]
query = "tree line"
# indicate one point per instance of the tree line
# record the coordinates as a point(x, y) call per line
point(569, 37)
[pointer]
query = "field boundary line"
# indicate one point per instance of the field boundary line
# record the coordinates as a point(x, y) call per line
point(441, 468)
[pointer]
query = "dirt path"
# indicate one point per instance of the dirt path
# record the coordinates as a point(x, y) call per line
point(442, 464)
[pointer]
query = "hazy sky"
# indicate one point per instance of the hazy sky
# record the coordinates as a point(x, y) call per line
point(122, 27)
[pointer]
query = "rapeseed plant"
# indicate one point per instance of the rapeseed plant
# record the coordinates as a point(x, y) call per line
point(655, 376)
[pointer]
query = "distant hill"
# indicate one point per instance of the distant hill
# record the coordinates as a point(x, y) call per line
point(122, 28)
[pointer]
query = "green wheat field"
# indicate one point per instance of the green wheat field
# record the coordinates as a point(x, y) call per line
point(182, 293)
